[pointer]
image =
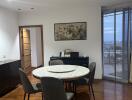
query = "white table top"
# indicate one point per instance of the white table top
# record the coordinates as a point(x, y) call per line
point(61, 71)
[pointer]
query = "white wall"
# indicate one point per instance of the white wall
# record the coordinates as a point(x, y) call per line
point(33, 47)
point(36, 46)
point(39, 46)
point(9, 34)
point(91, 13)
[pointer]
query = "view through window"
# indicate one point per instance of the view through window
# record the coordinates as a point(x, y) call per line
point(115, 45)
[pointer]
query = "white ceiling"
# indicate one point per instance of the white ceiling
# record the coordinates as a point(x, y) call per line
point(26, 5)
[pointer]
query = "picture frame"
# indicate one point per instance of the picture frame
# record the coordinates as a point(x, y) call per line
point(70, 31)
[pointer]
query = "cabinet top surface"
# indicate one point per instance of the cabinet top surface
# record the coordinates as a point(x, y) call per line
point(7, 61)
point(68, 57)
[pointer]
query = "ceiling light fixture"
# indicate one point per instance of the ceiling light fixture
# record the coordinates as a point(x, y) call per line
point(19, 9)
point(31, 8)
point(10, 0)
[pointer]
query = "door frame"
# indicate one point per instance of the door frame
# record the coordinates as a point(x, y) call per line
point(32, 26)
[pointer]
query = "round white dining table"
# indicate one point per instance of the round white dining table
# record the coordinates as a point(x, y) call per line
point(64, 72)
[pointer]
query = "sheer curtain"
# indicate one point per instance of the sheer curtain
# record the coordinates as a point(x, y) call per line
point(126, 44)
point(131, 44)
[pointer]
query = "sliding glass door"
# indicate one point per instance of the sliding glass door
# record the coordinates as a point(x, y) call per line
point(116, 45)
point(108, 45)
point(119, 45)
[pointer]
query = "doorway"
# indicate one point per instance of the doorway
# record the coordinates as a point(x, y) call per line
point(31, 47)
point(116, 45)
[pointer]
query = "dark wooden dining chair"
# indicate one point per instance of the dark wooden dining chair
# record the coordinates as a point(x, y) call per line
point(56, 62)
point(54, 89)
point(27, 86)
point(88, 80)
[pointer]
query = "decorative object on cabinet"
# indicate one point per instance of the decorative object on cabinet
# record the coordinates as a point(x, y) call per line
point(67, 52)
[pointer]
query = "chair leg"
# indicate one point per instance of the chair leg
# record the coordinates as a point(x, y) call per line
point(28, 96)
point(66, 87)
point(89, 91)
point(92, 91)
point(42, 96)
point(74, 87)
point(24, 95)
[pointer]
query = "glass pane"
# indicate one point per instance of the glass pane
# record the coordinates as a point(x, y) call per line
point(119, 44)
point(131, 46)
point(108, 45)
point(125, 46)
point(131, 27)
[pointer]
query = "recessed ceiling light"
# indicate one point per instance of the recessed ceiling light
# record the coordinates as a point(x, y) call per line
point(10, 0)
point(19, 9)
point(31, 8)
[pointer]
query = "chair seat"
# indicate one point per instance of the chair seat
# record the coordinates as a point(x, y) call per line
point(86, 79)
point(69, 95)
point(37, 87)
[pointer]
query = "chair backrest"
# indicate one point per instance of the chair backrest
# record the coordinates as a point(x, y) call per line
point(56, 62)
point(92, 68)
point(25, 81)
point(53, 89)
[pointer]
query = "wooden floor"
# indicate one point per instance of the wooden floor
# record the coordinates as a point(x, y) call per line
point(104, 90)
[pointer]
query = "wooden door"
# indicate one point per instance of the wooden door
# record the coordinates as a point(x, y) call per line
point(25, 50)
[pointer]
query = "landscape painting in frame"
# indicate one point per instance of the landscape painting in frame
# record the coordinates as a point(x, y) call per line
point(70, 31)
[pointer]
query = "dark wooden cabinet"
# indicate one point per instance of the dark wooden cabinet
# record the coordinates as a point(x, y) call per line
point(9, 76)
point(82, 61)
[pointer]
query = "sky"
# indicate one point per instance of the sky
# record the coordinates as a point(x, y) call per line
point(109, 27)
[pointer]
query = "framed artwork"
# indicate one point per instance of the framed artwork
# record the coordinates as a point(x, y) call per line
point(70, 31)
